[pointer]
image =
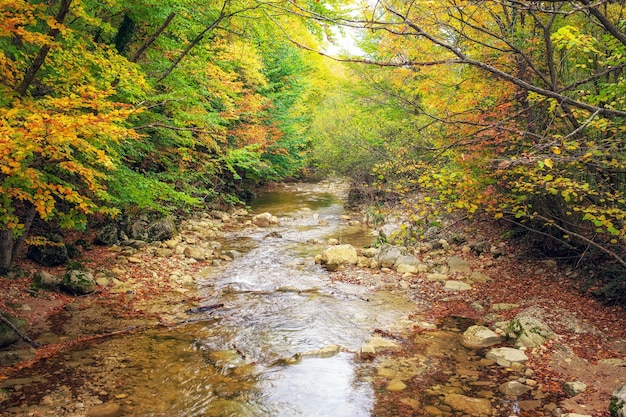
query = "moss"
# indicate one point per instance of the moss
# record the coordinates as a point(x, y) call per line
point(615, 406)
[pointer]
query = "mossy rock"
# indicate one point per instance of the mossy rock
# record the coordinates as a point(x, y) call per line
point(618, 400)
point(49, 254)
point(7, 335)
point(529, 332)
point(79, 282)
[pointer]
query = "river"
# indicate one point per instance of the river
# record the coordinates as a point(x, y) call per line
point(284, 343)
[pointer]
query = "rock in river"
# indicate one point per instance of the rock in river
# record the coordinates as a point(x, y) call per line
point(468, 405)
point(477, 337)
point(335, 256)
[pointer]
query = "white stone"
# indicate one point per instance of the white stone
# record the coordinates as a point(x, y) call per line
point(477, 337)
point(452, 285)
point(506, 356)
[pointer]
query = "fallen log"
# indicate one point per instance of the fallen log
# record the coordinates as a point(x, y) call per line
point(17, 331)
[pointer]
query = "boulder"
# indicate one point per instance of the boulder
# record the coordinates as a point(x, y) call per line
point(233, 254)
point(617, 406)
point(408, 263)
point(513, 388)
point(387, 256)
point(477, 337)
point(160, 230)
point(107, 235)
point(529, 332)
point(195, 253)
point(480, 246)
point(468, 405)
point(338, 255)
point(390, 230)
point(48, 254)
point(506, 356)
point(7, 335)
point(574, 388)
point(264, 219)
point(458, 264)
point(45, 280)
point(138, 229)
point(407, 260)
point(78, 282)
point(370, 252)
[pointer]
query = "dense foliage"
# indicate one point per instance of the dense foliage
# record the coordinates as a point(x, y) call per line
point(143, 106)
point(512, 108)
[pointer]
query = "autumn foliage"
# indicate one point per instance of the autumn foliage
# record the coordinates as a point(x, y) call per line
point(515, 109)
point(128, 107)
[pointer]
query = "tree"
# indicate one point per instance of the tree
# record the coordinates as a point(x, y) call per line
point(134, 106)
point(519, 110)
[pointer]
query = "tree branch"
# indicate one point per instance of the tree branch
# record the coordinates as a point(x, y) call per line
point(152, 38)
point(30, 74)
point(462, 58)
point(17, 331)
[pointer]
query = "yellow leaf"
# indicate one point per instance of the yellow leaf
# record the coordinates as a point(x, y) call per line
point(556, 150)
point(548, 162)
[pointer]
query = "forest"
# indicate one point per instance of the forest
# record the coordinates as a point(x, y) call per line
point(509, 109)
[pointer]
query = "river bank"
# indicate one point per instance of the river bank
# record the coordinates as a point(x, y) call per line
point(154, 289)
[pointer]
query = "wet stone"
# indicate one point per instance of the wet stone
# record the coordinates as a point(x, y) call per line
point(513, 388)
point(468, 405)
point(104, 410)
point(477, 337)
point(411, 402)
point(529, 405)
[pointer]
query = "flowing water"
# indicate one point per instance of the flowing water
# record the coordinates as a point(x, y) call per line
point(282, 344)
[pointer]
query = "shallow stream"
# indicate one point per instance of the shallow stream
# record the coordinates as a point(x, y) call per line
point(283, 344)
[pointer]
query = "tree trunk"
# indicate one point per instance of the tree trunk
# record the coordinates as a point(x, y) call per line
point(29, 77)
point(6, 250)
point(10, 245)
point(124, 34)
